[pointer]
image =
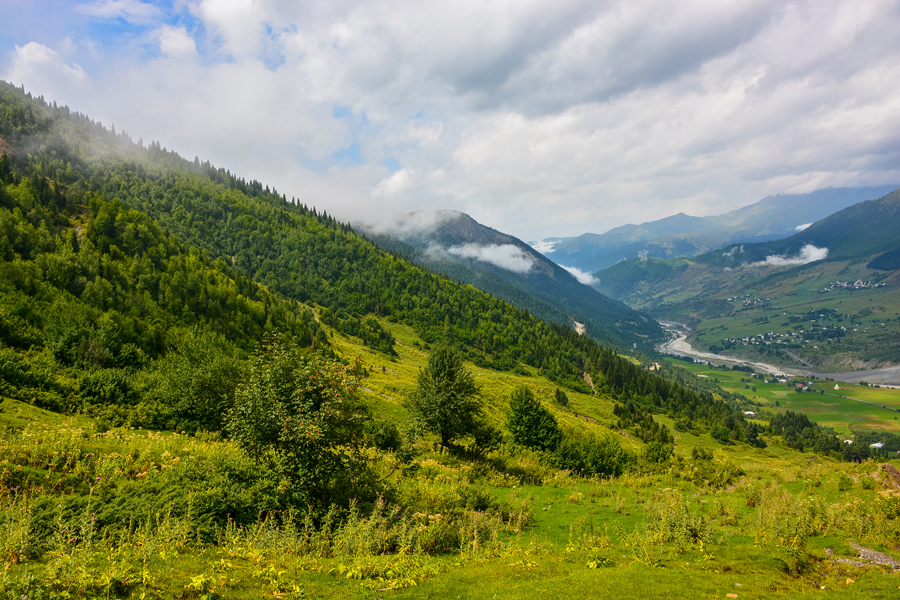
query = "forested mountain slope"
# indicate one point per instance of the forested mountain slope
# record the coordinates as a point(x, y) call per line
point(454, 243)
point(87, 212)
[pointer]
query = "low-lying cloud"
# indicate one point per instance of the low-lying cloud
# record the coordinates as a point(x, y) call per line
point(545, 247)
point(802, 227)
point(583, 277)
point(808, 254)
point(506, 256)
point(408, 225)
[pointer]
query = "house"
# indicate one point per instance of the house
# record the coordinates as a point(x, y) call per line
point(848, 441)
point(877, 445)
point(749, 412)
point(837, 387)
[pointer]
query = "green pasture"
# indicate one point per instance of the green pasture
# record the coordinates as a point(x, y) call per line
point(391, 379)
point(829, 409)
point(680, 530)
point(888, 397)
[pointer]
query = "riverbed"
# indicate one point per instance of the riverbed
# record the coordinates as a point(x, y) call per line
point(679, 346)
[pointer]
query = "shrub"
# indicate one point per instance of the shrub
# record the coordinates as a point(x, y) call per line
point(721, 434)
point(192, 387)
point(844, 483)
point(531, 424)
point(594, 455)
point(658, 452)
point(561, 398)
point(384, 435)
point(300, 416)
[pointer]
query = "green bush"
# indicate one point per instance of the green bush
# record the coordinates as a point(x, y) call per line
point(531, 424)
point(561, 398)
point(844, 483)
point(594, 455)
point(721, 434)
point(300, 416)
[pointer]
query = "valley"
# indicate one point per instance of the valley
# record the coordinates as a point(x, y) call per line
point(834, 309)
point(210, 391)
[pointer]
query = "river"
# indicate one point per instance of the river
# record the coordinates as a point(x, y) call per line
point(679, 346)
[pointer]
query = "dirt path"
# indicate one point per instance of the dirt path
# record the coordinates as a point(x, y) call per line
point(589, 381)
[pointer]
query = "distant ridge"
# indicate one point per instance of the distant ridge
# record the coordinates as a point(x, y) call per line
point(772, 218)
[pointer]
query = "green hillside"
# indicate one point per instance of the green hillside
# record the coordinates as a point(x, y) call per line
point(208, 391)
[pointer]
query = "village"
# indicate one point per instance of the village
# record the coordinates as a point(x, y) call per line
point(859, 284)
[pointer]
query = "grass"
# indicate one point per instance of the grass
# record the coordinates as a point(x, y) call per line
point(671, 531)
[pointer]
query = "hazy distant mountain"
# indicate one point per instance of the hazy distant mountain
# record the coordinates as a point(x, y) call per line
point(772, 218)
point(865, 234)
point(454, 243)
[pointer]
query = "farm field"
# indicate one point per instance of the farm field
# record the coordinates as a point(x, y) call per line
point(867, 320)
point(828, 409)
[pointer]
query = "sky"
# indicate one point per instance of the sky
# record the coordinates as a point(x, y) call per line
point(537, 118)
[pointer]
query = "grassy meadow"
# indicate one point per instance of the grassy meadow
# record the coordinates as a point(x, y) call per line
point(714, 520)
point(840, 410)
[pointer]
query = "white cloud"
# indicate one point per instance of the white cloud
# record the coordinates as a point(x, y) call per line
point(545, 247)
point(176, 41)
point(583, 277)
point(537, 119)
point(42, 71)
point(394, 184)
point(808, 254)
point(802, 227)
point(506, 256)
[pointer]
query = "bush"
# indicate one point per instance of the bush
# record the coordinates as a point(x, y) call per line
point(384, 436)
point(658, 452)
point(299, 416)
point(531, 424)
point(698, 453)
point(192, 387)
point(594, 455)
point(721, 434)
point(561, 398)
point(844, 483)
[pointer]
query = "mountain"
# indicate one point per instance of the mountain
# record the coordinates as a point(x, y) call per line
point(843, 268)
point(110, 249)
point(454, 243)
point(772, 218)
